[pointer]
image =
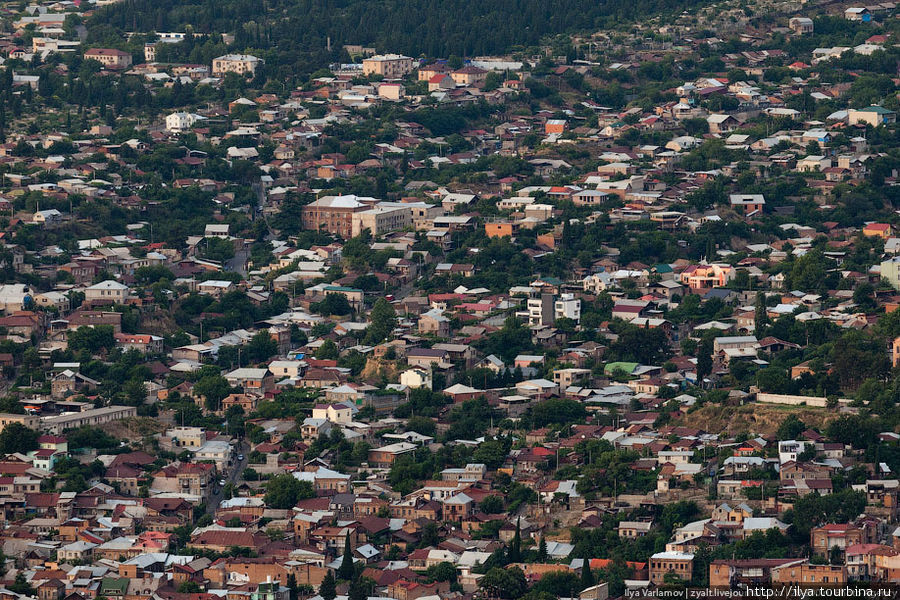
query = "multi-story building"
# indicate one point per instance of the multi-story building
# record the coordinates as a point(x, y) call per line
point(181, 121)
point(380, 219)
point(109, 57)
point(242, 64)
point(30, 421)
point(333, 214)
point(705, 276)
point(833, 535)
point(469, 76)
point(567, 306)
point(541, 309)
point(389, 66)
point(663, 563)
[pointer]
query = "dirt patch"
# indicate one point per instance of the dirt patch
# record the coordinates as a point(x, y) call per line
point(758, 419)
point(377, 369)
point(133, 429)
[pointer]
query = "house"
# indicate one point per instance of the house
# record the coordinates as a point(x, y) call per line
point(469, 76)
point(337, 412)
point(882, 230)
point(425, 357)
point(873, 115)
point(142, 342)
point(634, 529)
point(251, 379)
point(106, 292)
point(747, 203)
point(801, 25)
point(416, 377)
point(841, 536)
point(705, 276)
point(435, 323)
point(179, 122)
point(722, 123)
point(109, 57)
point(858, 13)
point(385, 456)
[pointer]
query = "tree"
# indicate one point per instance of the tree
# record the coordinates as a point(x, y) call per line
point(333, 304)
point(327, 351)
point(328, 587)
point(284, 491)
point(554, 411)
point(21, 585)
point(704, 359)
point(15, 437)
point(640, 344)
point(359, 589)
point(443, 571)
point(189, 587)
point(515, 545)
point(292, 586)
point(262, 346)
point(92, 339)
point(213, 389)
point(760, 318)
point(790, 428)
point(421, 424)
point(345, 571)
point(383, 320)
point(542, 550)
point(504, 583)
point(587, 577)
point(492, 505)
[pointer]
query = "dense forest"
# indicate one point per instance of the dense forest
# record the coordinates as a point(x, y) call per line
point(299, 29)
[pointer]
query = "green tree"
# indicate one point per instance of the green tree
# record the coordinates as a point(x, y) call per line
point(704, 359)
point(262, 346)
point(213, 389)
point(491, 505)
point(359, 589)
point(333, 304)
point(443, 571)
point(345, 571)
point(21, 585)
point(515, 545)
point(587, 577)
point(92, 339)
point(504, 583)
point(327, 351)
point(15, 437)
point(328, 587)
point(383, 319)
point(292, 586)
point(284, 491)
point(760, 318)
point(790, 428)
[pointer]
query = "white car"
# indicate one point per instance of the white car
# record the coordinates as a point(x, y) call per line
point(222, 482)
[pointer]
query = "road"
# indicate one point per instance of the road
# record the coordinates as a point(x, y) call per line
point(238, 264)
point(233, 476)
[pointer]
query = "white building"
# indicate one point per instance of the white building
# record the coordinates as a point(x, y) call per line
point(416, 378)
point(106, 291)
point(568, 306)
point(181, 121)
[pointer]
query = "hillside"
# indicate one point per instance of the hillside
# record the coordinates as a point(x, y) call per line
point(756, 419)
point(296, 32)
